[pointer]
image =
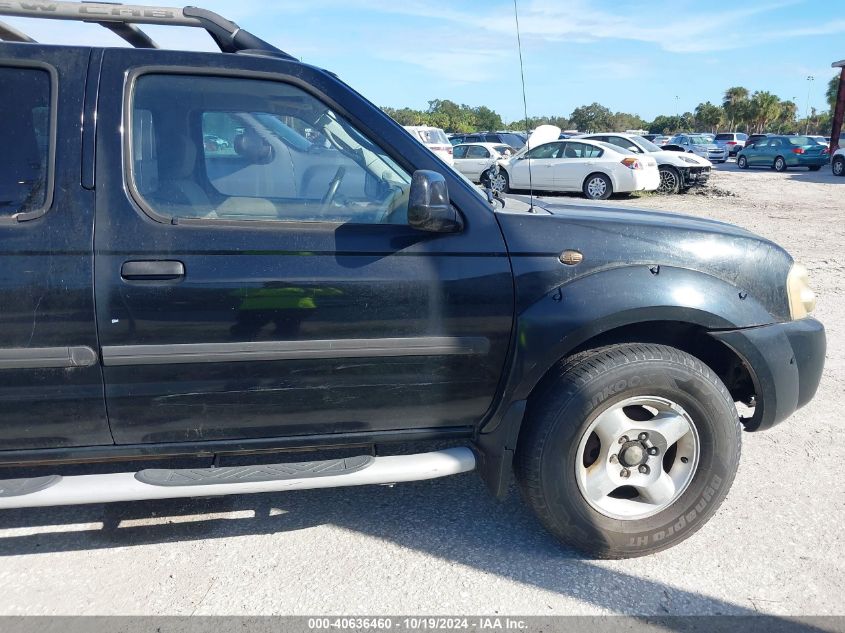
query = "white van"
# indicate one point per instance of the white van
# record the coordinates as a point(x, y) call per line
point(434, 139)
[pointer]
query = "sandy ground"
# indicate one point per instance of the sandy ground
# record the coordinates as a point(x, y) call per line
point(445, 547)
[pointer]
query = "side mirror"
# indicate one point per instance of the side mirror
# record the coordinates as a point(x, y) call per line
point(428, 204)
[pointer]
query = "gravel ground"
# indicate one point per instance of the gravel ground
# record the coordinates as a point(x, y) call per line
point(446, 547)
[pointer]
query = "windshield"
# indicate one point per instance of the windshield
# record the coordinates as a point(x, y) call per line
point(699, 140)
point(647, 145)
point(513, 140)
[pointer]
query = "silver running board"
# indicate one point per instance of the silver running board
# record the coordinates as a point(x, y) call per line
point(130, 486)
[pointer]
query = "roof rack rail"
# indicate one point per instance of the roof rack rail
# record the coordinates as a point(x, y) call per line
point(123, 18)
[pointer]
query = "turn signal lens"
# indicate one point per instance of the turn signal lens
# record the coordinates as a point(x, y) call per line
point(802, 299)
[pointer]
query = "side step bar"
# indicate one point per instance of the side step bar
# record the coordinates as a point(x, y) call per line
point(55, 490)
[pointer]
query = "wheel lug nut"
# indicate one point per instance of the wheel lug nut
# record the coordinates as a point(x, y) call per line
point(684, 459)
point(643, 436)
point(644, 469)
point(653, 451)
point(613, 459)
point(623, 439)
point(625, 473)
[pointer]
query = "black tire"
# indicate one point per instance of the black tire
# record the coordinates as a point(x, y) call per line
point(814, 167)
point(670, 180)
point(780, 164)
point(562, 410)
point(838, 166)
point(742, 162)
point(500, 181)
point(595, 191)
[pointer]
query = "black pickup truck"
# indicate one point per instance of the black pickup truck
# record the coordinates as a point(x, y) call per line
point(212, 262)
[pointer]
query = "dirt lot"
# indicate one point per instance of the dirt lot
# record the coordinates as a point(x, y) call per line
point(446, 547)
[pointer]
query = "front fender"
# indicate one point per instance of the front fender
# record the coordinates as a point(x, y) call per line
point(570, 314)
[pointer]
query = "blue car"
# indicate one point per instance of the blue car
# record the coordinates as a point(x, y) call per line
point(782, 152)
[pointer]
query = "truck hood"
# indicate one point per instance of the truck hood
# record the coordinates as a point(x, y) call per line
point(609, 237)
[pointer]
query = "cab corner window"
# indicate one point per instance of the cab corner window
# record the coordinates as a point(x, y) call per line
point(25, 130)
point(220, 148)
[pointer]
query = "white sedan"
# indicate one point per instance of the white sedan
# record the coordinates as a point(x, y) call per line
point(473, 159)
point(595, 168)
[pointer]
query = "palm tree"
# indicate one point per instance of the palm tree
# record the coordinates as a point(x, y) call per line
point(764, 109)
point(734, 103)
point(788, 114)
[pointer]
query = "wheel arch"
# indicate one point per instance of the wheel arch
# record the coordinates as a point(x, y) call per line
point(599, 172)
point(626, 304)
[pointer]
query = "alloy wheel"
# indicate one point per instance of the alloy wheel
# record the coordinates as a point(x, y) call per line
point(637, 457)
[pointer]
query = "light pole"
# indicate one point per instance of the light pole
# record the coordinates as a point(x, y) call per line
point(810, 80)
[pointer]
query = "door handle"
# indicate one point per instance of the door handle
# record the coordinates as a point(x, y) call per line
point(155, 270)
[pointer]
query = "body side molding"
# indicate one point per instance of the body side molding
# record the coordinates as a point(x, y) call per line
point(46, 357)
point(117, 355)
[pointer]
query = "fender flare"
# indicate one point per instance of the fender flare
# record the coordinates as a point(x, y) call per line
point(571, 314)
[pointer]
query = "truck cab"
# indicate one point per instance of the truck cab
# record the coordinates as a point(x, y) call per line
point(220, 255)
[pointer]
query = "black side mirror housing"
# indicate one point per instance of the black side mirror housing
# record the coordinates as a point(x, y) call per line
point(429, 208)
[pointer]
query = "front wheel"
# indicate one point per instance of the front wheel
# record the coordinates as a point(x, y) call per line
point(742, 162)
point(670, 180)
point(597, 187)
point(780, 164)
point(499, 181)
point(839, 166)
point(628, 449)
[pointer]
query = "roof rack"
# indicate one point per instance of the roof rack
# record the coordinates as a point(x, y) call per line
point(122, 19)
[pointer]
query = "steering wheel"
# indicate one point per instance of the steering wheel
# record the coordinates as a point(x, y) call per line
point(334, 185)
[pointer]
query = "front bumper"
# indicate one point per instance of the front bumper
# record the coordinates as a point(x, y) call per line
point(786, 362)
point(692, 176)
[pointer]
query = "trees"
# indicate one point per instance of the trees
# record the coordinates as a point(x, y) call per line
point(735, 105)
point(785, 122)
point(708, 116)
point(591, 118)
point(832, 91)
point(763, 109)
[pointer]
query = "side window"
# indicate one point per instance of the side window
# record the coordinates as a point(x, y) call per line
point(222, 148)
point(624, 143)
point(25, 128)
point(492, 138)
point(582, 150)
point(477, 151)
point(460, 151)
point(547, 150)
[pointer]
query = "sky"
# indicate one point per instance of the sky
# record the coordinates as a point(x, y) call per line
point(646, 58)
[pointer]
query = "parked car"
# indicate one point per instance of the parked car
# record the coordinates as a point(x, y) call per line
point(731, 141)
point(512, 139)
point(224, 314)
point(821, 140)
point(661, 139)
point(594, 168)
point(434, 139)
point(701, 145)
point(754, 138)
point(215, 143)
point(650, 137)
point(838, 162)
point(678, 172)
point(474, 159)
point(782, 152)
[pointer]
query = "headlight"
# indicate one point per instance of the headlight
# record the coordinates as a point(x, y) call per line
point(802, 299)
point(686, 159)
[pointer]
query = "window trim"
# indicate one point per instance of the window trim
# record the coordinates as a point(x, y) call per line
point(25, 216)
point(129, 87)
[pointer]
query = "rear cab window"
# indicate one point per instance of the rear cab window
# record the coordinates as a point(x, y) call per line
point(27, 128)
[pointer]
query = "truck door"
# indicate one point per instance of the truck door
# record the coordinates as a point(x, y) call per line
point(256, 275)
point(51, 388)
